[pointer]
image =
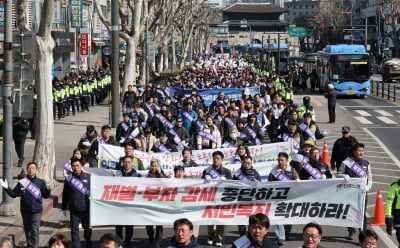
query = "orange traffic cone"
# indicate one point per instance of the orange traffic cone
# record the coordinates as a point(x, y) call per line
point(379, 215)
point(325, 154)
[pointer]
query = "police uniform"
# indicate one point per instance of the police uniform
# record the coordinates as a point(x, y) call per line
point(392, 209)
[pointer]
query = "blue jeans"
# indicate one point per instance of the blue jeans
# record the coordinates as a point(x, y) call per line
point(280, 232)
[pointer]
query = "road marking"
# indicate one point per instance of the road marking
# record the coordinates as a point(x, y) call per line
point(383, 112)
point(377, 175)
point(362, 112)
point(362, 120)
point(316, 102)
point(386, 120)
point(396, 170)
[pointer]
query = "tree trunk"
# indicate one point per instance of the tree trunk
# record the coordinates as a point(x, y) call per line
point(44, 154)
point(130, 64)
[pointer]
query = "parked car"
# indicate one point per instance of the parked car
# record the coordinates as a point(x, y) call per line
point(391, 69)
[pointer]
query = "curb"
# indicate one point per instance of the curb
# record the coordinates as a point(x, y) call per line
point(16, 230)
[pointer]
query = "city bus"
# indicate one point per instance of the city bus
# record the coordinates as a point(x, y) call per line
point(346, 67)
point(222, 50)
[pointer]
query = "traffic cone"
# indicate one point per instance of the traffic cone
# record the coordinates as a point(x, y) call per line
point(325, 154)
point(379, 215)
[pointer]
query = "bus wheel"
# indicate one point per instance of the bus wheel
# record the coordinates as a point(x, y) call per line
point(362, 96)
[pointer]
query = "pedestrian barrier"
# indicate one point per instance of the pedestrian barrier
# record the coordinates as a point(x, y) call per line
point(385, 91)
point(379, 214)
point(325, 154)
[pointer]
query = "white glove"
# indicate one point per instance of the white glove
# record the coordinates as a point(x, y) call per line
point(97, 157)
point(298, 180)
point(323, 176)
point(325, 132)
point(4, 183)
point(346, 178)
point(222, 178)
point(367, 188)
point(64, 212)
point(208, 178)
point(122, 140)
point(49, 186)
point(86, 143)
point(185, 143)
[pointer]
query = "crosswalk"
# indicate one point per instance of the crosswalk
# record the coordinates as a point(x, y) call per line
point(377, 116)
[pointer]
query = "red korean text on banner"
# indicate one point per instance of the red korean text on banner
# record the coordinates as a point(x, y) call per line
point(84, 45)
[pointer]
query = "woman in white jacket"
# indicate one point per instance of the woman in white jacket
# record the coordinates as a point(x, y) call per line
point(209, 137)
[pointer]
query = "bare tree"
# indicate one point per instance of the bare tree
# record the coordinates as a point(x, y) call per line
point(390, 13)
point(44, 154)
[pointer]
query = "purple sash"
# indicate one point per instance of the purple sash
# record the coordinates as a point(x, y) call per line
point(31, 188)
point(208, 136)
point(308, 131)
point(160, 91)
point(280, 176)
point(67, 166)
point(214, 174)
point(296, 144)
point(77, 184)
point(314, 172)
point(157, 107)
point(151, 111)
point(241, 135)
point(230, 122)
point(124, 126)
point(132, 135)
point(226, 144)
point(242, 177)
point(188, 116)
point(253, 135)
point(355, 167)
point(161, 147)
point(144, 124)
point(86, 139)
point(164, 121)
point(102, 140)
point(199, 125)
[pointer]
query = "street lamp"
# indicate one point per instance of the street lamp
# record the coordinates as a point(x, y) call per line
point(244, 24)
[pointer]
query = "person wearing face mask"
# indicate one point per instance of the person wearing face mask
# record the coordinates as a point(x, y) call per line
point(209, 137)
point(147, 141)
point(32, 191)
point(246, 173)
point(307, 108)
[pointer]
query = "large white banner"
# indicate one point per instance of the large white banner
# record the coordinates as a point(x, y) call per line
point(264, 157)
point(151, 201)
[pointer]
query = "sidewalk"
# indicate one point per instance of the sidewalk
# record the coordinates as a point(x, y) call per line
point(67, 132)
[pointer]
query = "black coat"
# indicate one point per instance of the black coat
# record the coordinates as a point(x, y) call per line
point(331, 96)
point(341, 150)
point(20, 128)
point(73, 199)
point(193, 243)
point(267, 243)
point(28, 203)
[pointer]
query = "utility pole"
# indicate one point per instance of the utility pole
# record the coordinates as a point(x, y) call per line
point(279, 54)
point(115, 98)
point(7, 207)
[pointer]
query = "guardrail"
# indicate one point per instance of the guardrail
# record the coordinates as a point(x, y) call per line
point(385, 91)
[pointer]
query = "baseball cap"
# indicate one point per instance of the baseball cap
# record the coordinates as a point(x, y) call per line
point(346, 129)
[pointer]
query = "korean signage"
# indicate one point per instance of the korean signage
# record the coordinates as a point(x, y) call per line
point(160, 201)
point(84, 45)
point(2, 11)
point(65, 41)
point(76, 13)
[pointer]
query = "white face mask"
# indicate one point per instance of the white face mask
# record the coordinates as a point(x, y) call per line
point(233, 136)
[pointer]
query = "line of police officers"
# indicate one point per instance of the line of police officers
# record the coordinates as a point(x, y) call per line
point(79, 92)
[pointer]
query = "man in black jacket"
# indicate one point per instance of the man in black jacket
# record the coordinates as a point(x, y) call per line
point(257, 235)
point(20, 130)
point(105, 138)
point(342, 148)
point(75, 198)
point(31, 189)
point(184, 238)
point(129, 99)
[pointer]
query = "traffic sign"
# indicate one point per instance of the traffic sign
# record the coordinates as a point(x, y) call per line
point(297, 32)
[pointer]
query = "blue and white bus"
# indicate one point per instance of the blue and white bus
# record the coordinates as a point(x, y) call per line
point(222, 50)
point(347, 67)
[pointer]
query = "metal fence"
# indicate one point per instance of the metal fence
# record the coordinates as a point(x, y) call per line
point(385, 91)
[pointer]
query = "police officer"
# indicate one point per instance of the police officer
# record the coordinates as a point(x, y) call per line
point(307, 108)
point(392, 209)
point(75, 198)
point(31, 189)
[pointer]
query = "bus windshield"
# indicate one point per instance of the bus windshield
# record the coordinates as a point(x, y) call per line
point(350, 67)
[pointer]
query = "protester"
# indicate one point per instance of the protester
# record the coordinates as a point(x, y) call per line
point(58, 241)
point(368, 238)
point(183, 235)
point(32, 191)
point(356, 166)
point(109, 240)
point(75, 198)
point(342, 147)
point(312, 235)
point(257, 234)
